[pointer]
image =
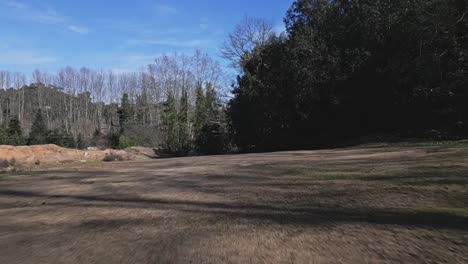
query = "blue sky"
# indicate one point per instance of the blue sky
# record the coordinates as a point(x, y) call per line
point(117, 34)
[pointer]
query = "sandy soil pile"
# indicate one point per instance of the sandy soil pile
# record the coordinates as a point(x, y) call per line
point(49, 154)
point(142, 151)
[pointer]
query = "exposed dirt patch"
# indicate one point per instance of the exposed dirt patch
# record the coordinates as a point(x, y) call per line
point(335, 206)
point(53, 154)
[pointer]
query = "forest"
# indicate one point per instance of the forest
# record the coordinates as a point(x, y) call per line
point(167, 104)
point(341, 71)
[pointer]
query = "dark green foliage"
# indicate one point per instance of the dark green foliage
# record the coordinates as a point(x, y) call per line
point(211, 106)
point(3, 135)
point(54, 136)
point(14, 133)
point(213, 139)
point(60, 138)
point(96, 139)
point(68, 141)
point(14, 127)
point(39, 131)
point(354, 68)
point(171, 123)
point(200, 110)
point(80, 142)
point(112, 137)
point(127, 141)
point(210, 135)
point(125, 113)
point(184, 136)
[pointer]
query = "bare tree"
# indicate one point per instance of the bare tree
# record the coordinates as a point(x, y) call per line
point(112, 93)
point(248, 34)
point(84, 100)
point(19, 80)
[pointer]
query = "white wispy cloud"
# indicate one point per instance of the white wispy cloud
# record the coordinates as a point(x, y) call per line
point(42, 13)
point(78, 29)
point(203, 26)
point(14, 4)
point(166, 10)
point(25, 57)
point(204, 23)
point(47, 16)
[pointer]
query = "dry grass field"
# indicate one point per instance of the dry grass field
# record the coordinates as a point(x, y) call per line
point(395, 204)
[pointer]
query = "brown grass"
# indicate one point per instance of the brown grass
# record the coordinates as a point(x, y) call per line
point(370, 205)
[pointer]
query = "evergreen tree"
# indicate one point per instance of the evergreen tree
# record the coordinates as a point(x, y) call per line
point(210, 136)
point(170, 122)
point(60, 138)
point(14, 133)
point(55, 136)
point(3, 135)
point(80, 143)
point(211, 104)
point(39, 131)
point(184, 138)
point(113, 137)
point(68, 141)
point(125, 112)
point(200, 110)
point(212, 139)
point(96, 139)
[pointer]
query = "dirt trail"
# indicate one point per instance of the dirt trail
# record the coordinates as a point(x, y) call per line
point(348, 206)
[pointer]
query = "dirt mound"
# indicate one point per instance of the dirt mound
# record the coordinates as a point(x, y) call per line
point(142, 151)
point(49, 154)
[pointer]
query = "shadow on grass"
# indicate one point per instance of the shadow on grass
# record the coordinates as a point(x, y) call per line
point(453, 175)
point(266, 213)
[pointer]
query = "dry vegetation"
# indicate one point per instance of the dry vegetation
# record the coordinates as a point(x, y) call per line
point(397, 204)
point(25, 158)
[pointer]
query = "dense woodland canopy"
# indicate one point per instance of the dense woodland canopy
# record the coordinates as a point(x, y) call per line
point(342, 70)
point(347, 69)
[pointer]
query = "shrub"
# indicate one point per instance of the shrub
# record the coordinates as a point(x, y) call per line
point(7, 163)
point(112, 156)
point(126, 142)
point(212, 139)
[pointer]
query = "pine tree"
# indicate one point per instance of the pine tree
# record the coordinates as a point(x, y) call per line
point(170, 122)
point(80, 144)
point(200, 110)
point(55, 136)
point(68, 141)
point(14, 133)
point(211, 104)
point(96, 139)
point(113, 137)
point(3, 135)
point(184, 138)
point(125, 112)
point(213, 139)
point(38, 134)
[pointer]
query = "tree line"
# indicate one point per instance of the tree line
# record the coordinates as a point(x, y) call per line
point(348, 69)
point(343, 70)
point(167, 104)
